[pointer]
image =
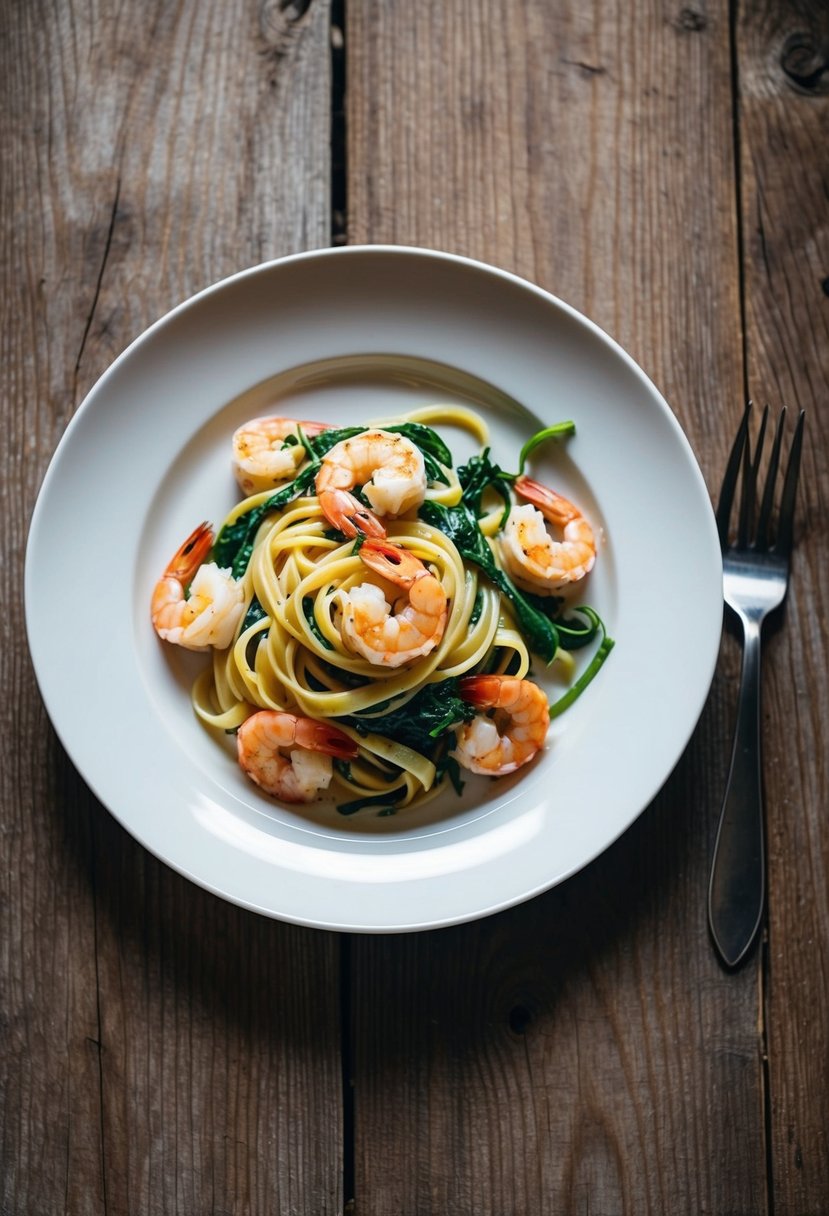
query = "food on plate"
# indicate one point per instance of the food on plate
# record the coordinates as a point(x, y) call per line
point(389, 467)
point(194, 603)
point(262, 458)
point(536, 560)
point(497, 748)
point(380, 620)
point(290, 757)
point(391, 634)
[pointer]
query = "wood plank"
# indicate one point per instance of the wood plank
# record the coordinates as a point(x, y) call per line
point(584, 1051)
point(784, 125)
point(163, 1051)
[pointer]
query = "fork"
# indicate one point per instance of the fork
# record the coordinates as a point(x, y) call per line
point(755, 579)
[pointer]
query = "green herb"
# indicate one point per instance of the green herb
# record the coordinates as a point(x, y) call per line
point(306, 443)
point(561, 430)
point(254, 613)
point(359, 804)
point(432, 711)
point(434, 451)
point(321, 444)
point(339, 675)
point(340, 537)
point(234, 544)
point(447, 766)
point(433, 470)
point(308, 613)
point(574, 634)
point(480, 474)
point(589, 673)
point(477, 609)
point(460, 525)
point(425, 438)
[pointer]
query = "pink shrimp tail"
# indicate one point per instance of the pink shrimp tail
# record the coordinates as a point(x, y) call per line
point(320, 737)
point(555, 508)
point(393, 562)
point(349, 515)
point(185, 561)
point(481, 691)
point(314, 428)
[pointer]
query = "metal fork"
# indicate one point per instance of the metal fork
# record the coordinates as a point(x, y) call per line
point(755, 579)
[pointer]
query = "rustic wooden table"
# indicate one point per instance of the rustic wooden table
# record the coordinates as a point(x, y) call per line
point(666, 170)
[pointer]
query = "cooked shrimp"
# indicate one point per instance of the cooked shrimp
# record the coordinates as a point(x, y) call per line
point(369, 626)
point(390, 470)
point(207, 615)
point(290, 757)
point(261, 459)
point(502, 743)
point(535, 560)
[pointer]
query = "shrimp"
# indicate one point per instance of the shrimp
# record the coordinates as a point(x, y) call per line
point(261, 459)
point(531, 556)
point(290, 757)
point(368, 625)
point(388, 467)
point(210, 614)
point(502, 743)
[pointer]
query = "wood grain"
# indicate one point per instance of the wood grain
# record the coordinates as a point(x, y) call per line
point(583, 1052)
point(663, 167)
point(784, 123)
point(163, 1051)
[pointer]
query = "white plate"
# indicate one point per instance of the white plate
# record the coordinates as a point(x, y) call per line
point(345, 335)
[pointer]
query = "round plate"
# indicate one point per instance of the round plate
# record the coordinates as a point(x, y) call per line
point(348, 335)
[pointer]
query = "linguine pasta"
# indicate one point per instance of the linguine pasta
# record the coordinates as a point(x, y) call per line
point(289, 652)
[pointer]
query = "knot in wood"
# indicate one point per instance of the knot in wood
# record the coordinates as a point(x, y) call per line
point(805, 61)
point(280, 22)
point(692, 21)
point(519, 1019)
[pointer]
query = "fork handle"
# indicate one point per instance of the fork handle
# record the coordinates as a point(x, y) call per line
point(736, 894)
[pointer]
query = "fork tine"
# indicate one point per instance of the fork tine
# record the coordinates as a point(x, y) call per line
point(761, 541)
point(785, 529)
point(749, 494)
point(729, 481)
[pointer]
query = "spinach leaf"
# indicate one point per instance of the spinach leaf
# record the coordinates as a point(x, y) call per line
point(423, 719)
point(433, 470)
point(477, 609)
point(573, 634)
point(308, 613)
point(321, 444)
point(382, 800)
point(447, 766)
point(434, 450)
point(234, 544)
point(480, 474)
point(425, 438)
point(254, 613)
point(460, 525)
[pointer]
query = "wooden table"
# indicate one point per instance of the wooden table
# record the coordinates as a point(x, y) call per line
point(663, 168)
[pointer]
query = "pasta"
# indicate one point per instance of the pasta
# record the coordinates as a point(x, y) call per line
point(390, 630)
